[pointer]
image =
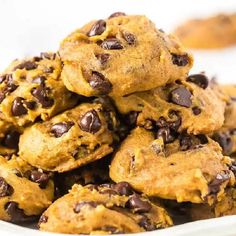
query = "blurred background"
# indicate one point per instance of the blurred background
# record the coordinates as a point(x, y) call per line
point(29, 27)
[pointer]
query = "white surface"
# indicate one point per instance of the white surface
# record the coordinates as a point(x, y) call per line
point(29, 27)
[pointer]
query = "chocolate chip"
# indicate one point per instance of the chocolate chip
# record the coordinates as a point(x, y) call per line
point(214, 186)
point(39, 80)
point(98, 28)
point(174, 125)
point(131, 118)
point(61, 128)
point(185, 142)
point(41, 93)
point(146, 223)
point(196, 111)
point(49, 69)
point(47, 55)
point(42, 219)
point(100, 83)
point(111, 44)
point(138, 205)
point(5, 188)
point(224, 141)
point(90, 122)
point(103, 58)
point(130, 38)
point(199, 79)
point(17, 215)
point(166, 134)
point(39, 177)
point(11, 139)
point(80, 205)
point(116, 14)
point(181, 96)
point(202, 138)
point(123, 188)
point(180, 60)
point(31, 105)
point(28, 65)
point(9, 88)
point(18, 108)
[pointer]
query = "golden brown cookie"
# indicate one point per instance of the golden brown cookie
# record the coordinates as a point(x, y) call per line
point(105, 209)
point(121, 55)
point(32, 89)
point(195, 105)
point(227, 206)
point(182, 167)
point(226, 135)
point(74, 138)
point(25, 192)
point(214, 32)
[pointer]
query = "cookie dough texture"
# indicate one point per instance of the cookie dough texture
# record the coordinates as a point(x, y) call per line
point(121, 55)
point(190, 168)
point(195, 105)
point(25, 192)
point(69, 140)
point(103, 210)
point(32, 89)
point(227, 206)
point(211, 33)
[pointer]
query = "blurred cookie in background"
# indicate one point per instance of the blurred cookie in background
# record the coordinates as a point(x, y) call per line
point(214, 32)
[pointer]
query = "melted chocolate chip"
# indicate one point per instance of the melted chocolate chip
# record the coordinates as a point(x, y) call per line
point(31, 105)
point(166, 134)
point(146, 223)
point(11, 140)
point(42, 220)
point(214, 186)
point(17, 215)
point(61, 128)
point(18, 108)
point(5, 188)
point(98, 28)
point(181, 96)
point(40, 178)
point(116, 14)
point(185, 141)
point(41, 93)
point(39, 80)
point(100, 83)
point(224, 141)
point(80, 205)
point(111, 44)
point(90, 122)
point(103, 58)
point(129, 38)
point(138, 205)
point(180, 60)
point(199, 79)
point(27, 65)
point(123, 188)
point(131, 118)
point(196, 111)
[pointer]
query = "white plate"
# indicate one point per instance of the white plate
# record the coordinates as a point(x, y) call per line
point(29, 27)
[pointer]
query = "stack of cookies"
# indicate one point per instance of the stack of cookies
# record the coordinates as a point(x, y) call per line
point(112, 135)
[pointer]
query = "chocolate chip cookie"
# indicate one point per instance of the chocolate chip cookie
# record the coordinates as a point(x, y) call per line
point(25, 192)
point(214, 32)
point(104, 209)
point(226, 135)
point(121, 55)
point(195, 105)
point(180, 167)
point(32, 89)
point(74, 138)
